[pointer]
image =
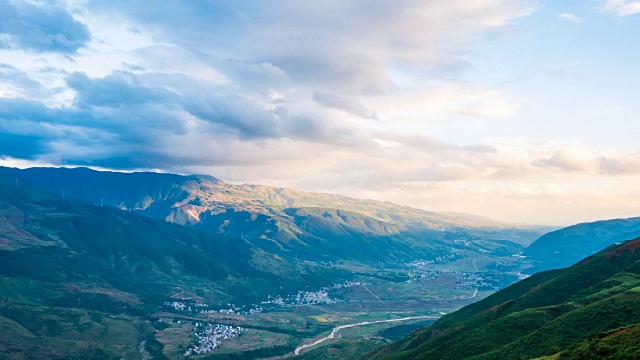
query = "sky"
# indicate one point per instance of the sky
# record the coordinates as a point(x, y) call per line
point(520, 110)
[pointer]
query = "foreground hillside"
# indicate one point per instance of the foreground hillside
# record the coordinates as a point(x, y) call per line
point(590, 309)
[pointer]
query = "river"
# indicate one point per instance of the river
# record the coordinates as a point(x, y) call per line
point(336, 329)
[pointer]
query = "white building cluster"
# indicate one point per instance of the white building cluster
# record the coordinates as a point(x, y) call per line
point(424, 274)
point(177, 305)
point(209, 335)
point(474, 280)
point(204, 308)
point(318, 297)
point(312, 297)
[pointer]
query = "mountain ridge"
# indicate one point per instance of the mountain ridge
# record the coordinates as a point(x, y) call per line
point(283, 197)
point(281, 220)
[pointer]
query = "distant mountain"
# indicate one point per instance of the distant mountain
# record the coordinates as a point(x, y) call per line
point(294, 224)
point(80, 280)
point(108, 246)
point(563, 247)
point(588, 311)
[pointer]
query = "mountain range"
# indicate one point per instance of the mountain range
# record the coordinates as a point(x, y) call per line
point(89, 259)
point(303, 225)
point(81, 279)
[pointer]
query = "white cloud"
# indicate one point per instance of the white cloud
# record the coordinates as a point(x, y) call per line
point(147, 75)
point(621, 7)
point(592, 161)
point(571, 17)
point(332, 96)
point(334, 46)
point(428, 103)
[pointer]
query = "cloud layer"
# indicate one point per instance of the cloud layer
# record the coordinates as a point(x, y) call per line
point(622, 7)
point(370, 100)
point(272, 72)
point(40, 28)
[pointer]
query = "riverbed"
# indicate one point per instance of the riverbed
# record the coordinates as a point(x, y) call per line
point(336, 330)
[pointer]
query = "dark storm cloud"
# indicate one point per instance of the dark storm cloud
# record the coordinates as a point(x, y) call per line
point(26, 127)
point(21, 146)
point(40, 28)
point(114, 120)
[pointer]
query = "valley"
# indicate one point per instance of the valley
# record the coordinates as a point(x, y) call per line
point(295, 321)
point(555, 314)
point(335, 332)
point(319, 180)
point(241, 280)
point(190, 287)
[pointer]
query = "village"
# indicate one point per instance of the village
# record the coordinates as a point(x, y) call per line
point(318, 297)
point(209, 335)
point(422, 270)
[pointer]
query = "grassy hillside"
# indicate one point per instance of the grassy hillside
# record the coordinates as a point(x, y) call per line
point(127, 250)
point(566, 311)
point(83, 281)
point(350, 349)
point(619, 344)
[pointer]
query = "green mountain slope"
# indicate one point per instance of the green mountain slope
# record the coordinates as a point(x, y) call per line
point(292, 224)
point(591, 304)
point(81, 281)
point(349, 349)
point(619, 344)
point(563, 247)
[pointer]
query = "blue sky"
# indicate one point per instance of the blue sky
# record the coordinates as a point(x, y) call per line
point(521, 110)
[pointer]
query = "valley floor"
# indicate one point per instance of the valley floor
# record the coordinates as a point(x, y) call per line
point(379, 307)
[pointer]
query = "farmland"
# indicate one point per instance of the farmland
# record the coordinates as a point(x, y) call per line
point(386, 304)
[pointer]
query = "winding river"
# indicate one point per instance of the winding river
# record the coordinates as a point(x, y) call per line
point(337, 329)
